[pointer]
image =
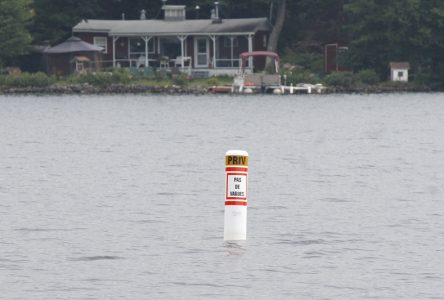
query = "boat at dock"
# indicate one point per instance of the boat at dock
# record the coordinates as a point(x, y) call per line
point(265, 82)
point(252, 83)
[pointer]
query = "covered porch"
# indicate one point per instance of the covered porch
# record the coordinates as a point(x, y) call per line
point(212, 54)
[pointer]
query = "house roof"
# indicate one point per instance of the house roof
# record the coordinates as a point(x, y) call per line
point(73, 44)
point(399, 65)
point(162, 27)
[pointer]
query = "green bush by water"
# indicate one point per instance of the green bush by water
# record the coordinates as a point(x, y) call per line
point(312, 62)
point(302, 76)
point(180, 79)
point(26, 80)
point(368, 76)
point(341, 79)
point(103, 78)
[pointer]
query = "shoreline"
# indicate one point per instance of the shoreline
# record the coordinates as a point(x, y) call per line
point(87, 89)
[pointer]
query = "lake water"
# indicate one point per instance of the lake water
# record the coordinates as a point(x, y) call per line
point(122, 197)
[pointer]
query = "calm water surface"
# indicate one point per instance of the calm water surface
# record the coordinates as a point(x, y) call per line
point(122, 197)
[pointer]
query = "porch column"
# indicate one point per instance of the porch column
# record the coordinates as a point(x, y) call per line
point(213, 38)
point(232, 51)
point(129, 51)
point(146, 39)
point(250, 49)
point(115, 38)
point(182, 39)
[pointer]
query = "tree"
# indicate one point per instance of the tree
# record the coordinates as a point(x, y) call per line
point(434, 19)
point(14, 36)
point(397, 30)
point(54, 19)
point(313, 24)
point(278, 26)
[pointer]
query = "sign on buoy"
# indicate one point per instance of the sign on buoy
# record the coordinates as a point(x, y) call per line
point(236, 184)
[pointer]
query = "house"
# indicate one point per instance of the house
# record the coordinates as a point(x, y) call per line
point(399, 71)
point(71, 56)
point(209, 46)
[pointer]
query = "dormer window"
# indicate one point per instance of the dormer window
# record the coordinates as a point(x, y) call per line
point(174, 12)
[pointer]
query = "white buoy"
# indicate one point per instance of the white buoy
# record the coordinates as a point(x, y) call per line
point(236, 183)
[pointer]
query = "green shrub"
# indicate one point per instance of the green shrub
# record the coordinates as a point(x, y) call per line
point(302, 77)
point(340, 79)
point(121, 76)
point(213, 81)
point(141, 73)
point(27, 80)
point(314, 62)
point(180, 79)
point(368, 76)
point(103, 78)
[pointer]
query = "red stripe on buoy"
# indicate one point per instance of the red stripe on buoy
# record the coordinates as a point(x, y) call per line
point(232, 203)
point(240, 169)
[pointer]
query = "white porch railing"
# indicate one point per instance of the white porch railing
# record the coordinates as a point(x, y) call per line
point(227, 63)
point(235, 63)
point(228, 67)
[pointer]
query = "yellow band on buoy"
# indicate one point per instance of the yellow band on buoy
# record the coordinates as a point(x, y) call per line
point(236, 160)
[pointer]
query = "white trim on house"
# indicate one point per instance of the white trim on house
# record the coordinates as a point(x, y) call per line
point(198, 54)
point(127, 34)
point(231, 41)
point(93, 31)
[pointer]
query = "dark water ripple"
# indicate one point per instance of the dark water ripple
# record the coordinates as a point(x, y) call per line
point(95, 258)
point(108, 199)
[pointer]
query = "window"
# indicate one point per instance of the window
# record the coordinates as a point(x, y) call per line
point(137, 45)
point(79, 66)
point(175, 14)
point(227, 42)
point(400, 74)
point(101, 41)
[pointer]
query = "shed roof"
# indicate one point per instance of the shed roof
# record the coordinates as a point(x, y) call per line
point(81, 59)
point(73, 44)
point(399, 65)
point(162, 27)
point(246, 55)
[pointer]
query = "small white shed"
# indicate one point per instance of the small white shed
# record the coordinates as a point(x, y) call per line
point(399, 71)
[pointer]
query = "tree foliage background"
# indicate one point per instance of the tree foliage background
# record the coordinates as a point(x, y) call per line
point(397, 30)
point(14, 36)
point(377, 31)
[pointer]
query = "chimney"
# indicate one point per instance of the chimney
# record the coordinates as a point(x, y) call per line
point(216, 5)
point(143, 14)
point(215, 13)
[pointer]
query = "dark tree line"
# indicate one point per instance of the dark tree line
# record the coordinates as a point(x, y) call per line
point(377, 31)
